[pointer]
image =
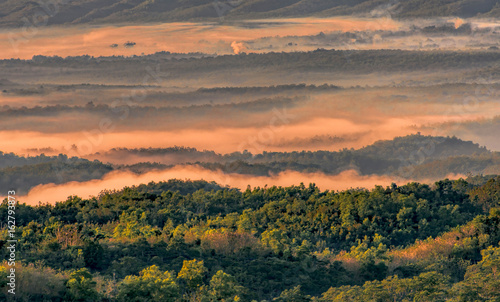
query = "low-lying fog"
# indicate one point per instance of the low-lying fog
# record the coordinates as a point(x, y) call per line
point(85, 109)
point(249, 36)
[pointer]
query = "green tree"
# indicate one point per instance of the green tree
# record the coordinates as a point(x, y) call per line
point(81, 287)
point(225, 288)
point(430, 287)
point(133, 225)
point(482, 280)
point(275, 239)
point(192, 272)
point(151, 285)
point(292, 295)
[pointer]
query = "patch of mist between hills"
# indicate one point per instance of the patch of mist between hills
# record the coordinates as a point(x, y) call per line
point(381, 113)
point(99, 105)
point(196, 96)
point(181, 98)
point(372, 106)
point(221, 140)
point(116, 180)
point(231, 100)
point(173, 37)
point(418, 34)
point(78, 94)
point(105, 101)
point(181, 156)
point(283, 35)
point(443, 34)
point(103, 95)
point(57, 119)
point(226, 75)
point(8, 101)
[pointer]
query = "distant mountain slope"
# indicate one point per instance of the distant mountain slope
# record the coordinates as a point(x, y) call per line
point(10, 160)
point(21, 174)
point(412, 157)
point(112, 11)
point(428, 147)
point(424, 146)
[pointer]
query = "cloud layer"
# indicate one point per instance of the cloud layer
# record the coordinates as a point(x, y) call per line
point(51, 193)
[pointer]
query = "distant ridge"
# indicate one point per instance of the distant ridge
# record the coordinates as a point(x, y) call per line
point(435, 147)
point(141, 11)
point(413, 157)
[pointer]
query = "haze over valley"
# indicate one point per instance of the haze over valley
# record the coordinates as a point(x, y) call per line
point(212, 150)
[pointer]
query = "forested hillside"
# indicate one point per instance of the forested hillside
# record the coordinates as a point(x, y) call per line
point(331, 60)
point(22, 173)
point(112, 11)
point(197, 241)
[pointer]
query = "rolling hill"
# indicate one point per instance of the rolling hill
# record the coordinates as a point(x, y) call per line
point(411, 157)
point(12, 12)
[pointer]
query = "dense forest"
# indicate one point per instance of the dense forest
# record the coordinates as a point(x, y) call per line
point(198, 241)
point(328, 60)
